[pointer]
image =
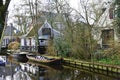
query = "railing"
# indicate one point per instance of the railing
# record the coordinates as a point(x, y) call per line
point(29, 48)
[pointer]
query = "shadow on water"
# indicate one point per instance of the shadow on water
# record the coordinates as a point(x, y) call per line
point(43, 72)
point(19, 58)
point(82, 74)
point(93, 72)
point(35, 71)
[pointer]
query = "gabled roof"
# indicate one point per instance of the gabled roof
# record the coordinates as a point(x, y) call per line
point(33, 30)
point(9, 31)
point(105, 20)
point(45, 25)
point(37, 29)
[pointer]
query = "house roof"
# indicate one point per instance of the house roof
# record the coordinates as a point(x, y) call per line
point(9, 31)
point(33, 30)
point(37, 28)
point(45, 25)
point(105, 20)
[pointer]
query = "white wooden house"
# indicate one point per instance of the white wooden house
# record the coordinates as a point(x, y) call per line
point(9, 35)
point(103, 31)
point(44, 31)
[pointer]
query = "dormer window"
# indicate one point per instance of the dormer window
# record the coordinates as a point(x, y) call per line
point(46, 31)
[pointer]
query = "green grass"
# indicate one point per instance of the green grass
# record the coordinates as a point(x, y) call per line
point(110, 61)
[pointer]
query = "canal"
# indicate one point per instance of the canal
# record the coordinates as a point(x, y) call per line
point(15, 70)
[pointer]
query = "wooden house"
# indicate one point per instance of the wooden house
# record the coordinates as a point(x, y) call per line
point(42, 32)
point(104, 31)
point(9, 35)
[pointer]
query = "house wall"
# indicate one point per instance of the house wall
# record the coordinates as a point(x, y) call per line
point(105, 23)
point(28, 42)
point(6, 40)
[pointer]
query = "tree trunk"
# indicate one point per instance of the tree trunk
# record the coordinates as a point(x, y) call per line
point(3, 10)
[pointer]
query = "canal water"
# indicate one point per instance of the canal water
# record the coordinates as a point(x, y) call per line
point(16, 70)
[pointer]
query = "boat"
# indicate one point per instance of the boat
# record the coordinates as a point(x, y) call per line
point(2, 63)
point(45, 60)
point(20, 56)
point(2, 60)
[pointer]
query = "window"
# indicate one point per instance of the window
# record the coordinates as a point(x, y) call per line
point(111, 13)
point(46, 31)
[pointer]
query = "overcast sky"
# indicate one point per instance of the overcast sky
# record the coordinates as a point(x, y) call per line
point(11, 9)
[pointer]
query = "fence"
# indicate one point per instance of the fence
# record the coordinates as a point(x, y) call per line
point(92, 66)
point(29, 48)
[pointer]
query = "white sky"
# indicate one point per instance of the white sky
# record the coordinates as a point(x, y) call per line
point(73, 4)
point(11, 8)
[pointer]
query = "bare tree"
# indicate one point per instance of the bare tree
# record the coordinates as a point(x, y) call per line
point(78, 32)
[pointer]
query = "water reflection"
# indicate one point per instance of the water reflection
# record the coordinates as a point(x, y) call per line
point(14, 70)
point(21, 75)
